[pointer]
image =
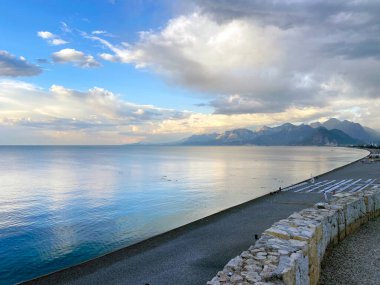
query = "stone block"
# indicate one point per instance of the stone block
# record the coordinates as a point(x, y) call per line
point(291, 251)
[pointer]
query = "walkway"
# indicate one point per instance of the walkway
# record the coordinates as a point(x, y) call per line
point(194, 253)
point(356, 260)
point(335, 186)
point(190, 255)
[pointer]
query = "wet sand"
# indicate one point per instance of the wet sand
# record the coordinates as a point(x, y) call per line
point(195, 252)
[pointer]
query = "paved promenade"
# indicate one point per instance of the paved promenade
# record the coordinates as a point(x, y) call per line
point(356, 260)
point(194, 253)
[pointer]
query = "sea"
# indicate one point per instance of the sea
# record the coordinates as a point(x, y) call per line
point(63, 205)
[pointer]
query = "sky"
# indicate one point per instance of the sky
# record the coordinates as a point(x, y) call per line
point(119, 72)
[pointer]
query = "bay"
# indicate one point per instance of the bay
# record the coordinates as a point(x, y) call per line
point(62, 205)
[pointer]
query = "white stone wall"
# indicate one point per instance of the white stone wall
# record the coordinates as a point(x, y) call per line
point(290, 252)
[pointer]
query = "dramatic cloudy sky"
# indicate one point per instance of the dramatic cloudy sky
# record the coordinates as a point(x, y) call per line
point(113, 71)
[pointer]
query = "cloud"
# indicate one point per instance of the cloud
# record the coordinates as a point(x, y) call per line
point(289, 14)
point(102, 117)
point(45, 35)
point(37, 115)
point(35, 106)
point(264, 56)
point(42, 61)
point(237, 104)
point(362, 112)
point(187, 34)
point(78, 58)
point(65, 28)
point(367, 48)
point(12, 66)
point(235, 57)
point(98, 32)
point(51, 38)
point(57, 42)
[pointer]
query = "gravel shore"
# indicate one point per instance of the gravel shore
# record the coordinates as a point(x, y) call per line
point(356, 260)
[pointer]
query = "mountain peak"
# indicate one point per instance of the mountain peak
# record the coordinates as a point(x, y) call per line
point(331, 132)
point(263, 128)
point(352, 129)
point(333, 120)
point(287, 125)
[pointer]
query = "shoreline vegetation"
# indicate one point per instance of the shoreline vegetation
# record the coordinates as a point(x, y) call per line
point(70, 274)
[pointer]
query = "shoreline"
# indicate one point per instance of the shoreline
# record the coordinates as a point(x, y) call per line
point(330, 171)
point(91, 266)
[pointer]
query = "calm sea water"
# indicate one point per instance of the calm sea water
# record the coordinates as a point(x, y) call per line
point(60, 206)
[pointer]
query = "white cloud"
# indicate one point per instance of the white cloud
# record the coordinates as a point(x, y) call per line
point(196, 40)
point(25, 100)
point(98, 32)
point(51, 38)
point(257, 62)
point(45, 35)
point(218, 58)
point(78, 58)
point(95, 116)
point(269, 56)
point(65, 28)
point(57, 42)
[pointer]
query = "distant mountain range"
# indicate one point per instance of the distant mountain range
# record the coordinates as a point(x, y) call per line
point(332, 132)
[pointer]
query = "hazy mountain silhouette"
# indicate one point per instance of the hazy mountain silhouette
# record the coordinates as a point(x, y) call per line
point(352, 129)
point(331, 132)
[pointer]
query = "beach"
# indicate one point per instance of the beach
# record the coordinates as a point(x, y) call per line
point(192, 254)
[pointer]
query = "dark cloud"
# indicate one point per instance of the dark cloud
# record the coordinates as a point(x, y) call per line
point(288, 14)
point(201, 105)
point(354, 50)
point(43, 61)
point(63, 124)
point(12, 66)
point(264, 103)
point(236, 104)
point(351, 27)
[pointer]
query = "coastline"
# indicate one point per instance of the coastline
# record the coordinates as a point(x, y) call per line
point(68, 275)
point(91, 266)
point(331, 171)
point(71, 275)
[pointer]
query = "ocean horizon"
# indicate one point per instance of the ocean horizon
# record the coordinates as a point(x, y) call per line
point(63, 205)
